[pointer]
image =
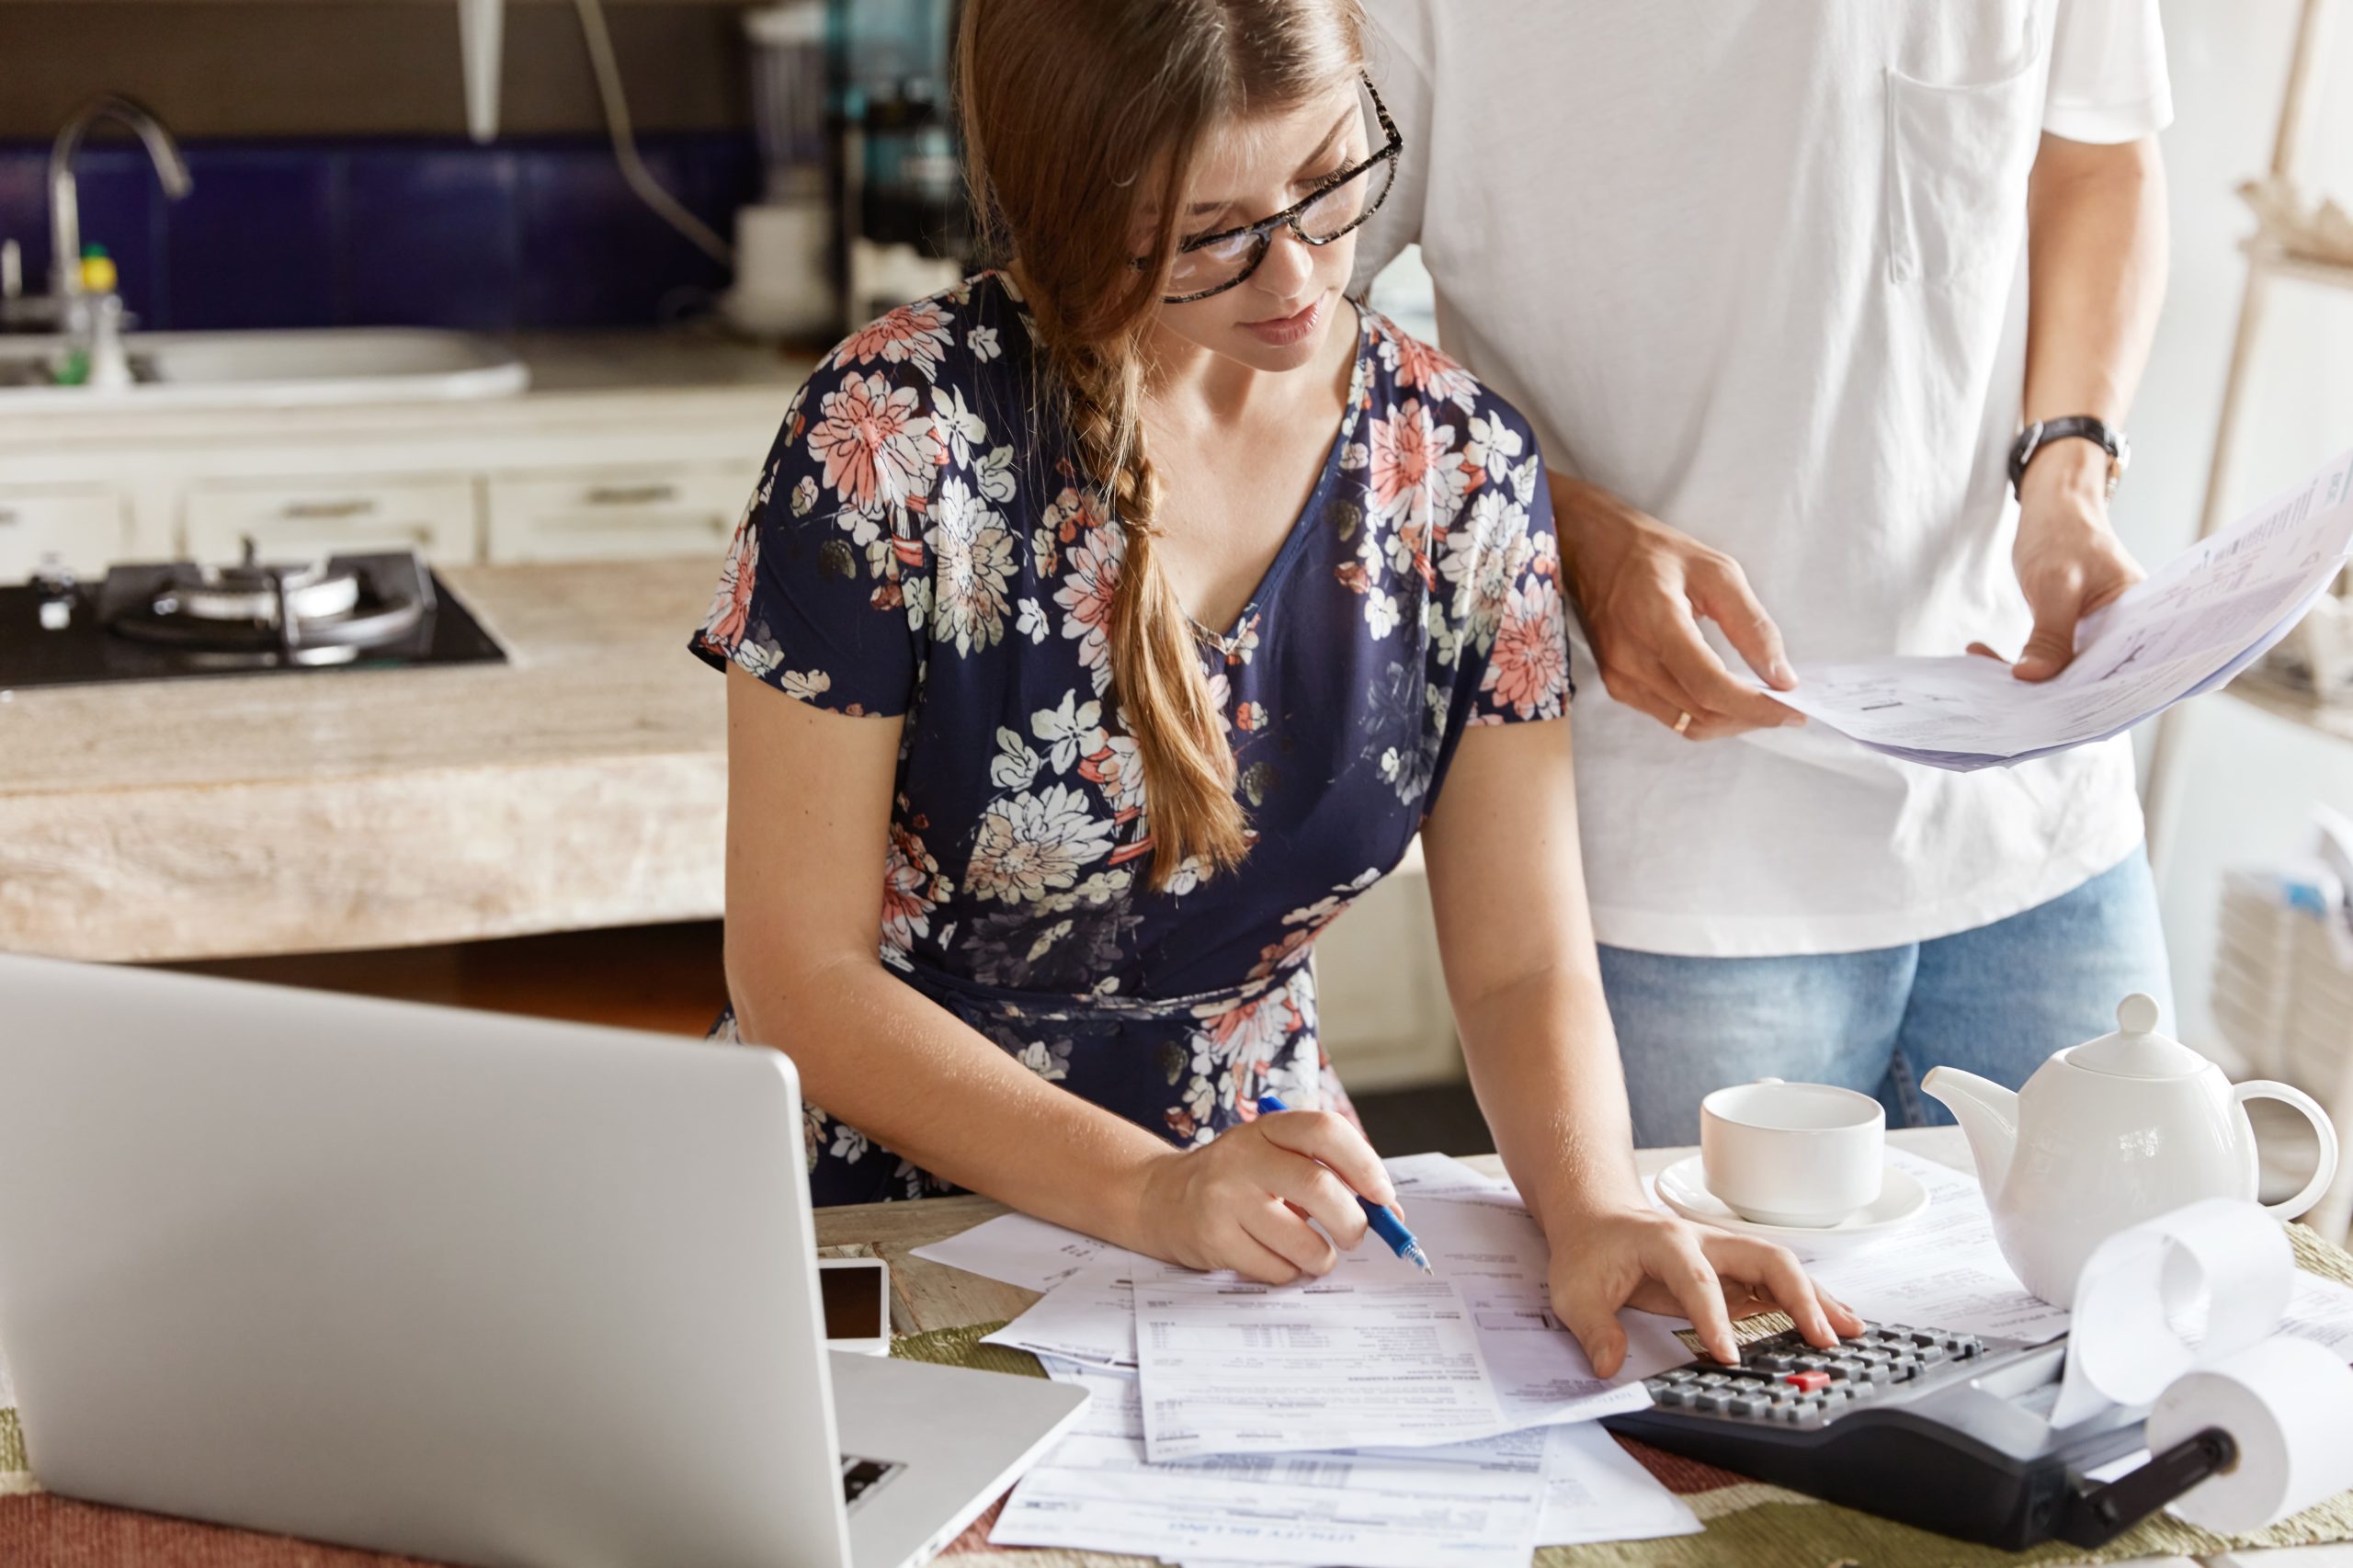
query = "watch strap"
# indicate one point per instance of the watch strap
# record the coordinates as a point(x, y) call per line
point(2041, 433)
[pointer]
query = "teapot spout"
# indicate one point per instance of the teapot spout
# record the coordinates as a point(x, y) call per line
point(1988, 1115)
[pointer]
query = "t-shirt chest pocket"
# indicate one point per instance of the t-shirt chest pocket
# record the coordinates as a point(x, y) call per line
point(1958, 157)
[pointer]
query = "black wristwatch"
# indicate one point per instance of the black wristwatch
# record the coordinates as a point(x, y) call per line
point(2042, 432)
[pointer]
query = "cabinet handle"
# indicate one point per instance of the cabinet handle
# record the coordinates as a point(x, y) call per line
point(631, 494)
point(8, 518)
point(312, 510)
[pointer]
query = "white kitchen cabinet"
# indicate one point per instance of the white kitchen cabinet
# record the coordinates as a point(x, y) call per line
point(1380, 994)
point(620, 513)
point(82, 528)
point(297, 518)
point(628, 445)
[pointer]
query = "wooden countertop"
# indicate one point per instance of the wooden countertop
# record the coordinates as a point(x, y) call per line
point(581, 784)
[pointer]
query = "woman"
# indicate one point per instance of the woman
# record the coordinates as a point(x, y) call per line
point(1140, 602)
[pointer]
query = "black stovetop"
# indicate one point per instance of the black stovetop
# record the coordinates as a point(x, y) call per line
point(48, 638)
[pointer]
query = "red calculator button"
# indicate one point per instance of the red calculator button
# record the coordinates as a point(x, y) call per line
point(1810, 1382)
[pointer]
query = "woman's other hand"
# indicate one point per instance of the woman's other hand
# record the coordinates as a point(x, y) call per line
point(1243, 1201)
point(1638, 1257)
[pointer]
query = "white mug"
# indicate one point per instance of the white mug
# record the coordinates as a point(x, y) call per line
point(1780, 1154)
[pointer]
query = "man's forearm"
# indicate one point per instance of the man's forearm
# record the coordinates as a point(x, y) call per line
point(2096, 247)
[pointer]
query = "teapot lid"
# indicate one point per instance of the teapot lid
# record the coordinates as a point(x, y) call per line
point(2136, 1049)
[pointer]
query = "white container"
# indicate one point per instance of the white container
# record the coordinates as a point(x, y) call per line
point(1778, 1153)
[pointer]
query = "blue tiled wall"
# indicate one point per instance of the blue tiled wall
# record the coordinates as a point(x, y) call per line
point(524, 234)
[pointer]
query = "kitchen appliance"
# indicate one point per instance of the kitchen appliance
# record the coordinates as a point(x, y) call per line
point(784, 245)
point(906, 222)
point(161, 622)
point(2110, 1133)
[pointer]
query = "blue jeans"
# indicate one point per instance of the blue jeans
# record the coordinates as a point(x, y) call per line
point(1996, 1000)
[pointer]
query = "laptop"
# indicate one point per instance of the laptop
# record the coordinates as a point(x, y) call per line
point(481, 1289)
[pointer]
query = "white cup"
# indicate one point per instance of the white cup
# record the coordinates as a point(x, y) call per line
point(1783, 1153)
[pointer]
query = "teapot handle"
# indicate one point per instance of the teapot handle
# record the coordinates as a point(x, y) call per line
point(2324, 1129)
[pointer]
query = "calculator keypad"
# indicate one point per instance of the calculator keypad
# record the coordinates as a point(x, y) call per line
point(1785, 1380)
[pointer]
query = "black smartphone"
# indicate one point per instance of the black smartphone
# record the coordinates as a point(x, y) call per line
point(856, 1295)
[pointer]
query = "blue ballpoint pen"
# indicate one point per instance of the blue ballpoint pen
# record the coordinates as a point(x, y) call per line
point(1385, 1223)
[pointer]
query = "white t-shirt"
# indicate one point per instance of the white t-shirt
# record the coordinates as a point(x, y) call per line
point(1760, 268)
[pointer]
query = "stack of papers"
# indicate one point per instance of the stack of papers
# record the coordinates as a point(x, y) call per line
point(1482, 1504)
point(2199, 620)
point(1379, 1419)
point(1375, 1417)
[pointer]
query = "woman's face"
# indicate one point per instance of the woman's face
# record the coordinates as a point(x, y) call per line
point(1280, 317)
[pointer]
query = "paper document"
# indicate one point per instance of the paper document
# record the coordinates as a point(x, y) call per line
point(1942, 1270)
point(1945, 1270)
point(1491, 1262)
point(1374, 1351)
point(1089, 1317)
point(1017, 1250)
point(1038, 1256)
point(1094, 1490)
point(2197, 620)
point(1417, 1176)
point(1596, 1491)
point(1468, 1505)
point(1495, 1258)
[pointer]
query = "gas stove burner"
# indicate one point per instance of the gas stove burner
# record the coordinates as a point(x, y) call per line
point(299, 613)
point(165, 621)
point(310, 592)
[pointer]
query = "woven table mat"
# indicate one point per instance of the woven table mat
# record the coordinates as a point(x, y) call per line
point(1749, 1525)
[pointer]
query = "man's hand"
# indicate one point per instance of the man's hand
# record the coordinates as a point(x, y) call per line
point(1641, 588)
point(1636, 1256)
point(2069, 560)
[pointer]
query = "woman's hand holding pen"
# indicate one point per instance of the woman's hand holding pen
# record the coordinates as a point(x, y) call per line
point(1243, 1201)
point(1632, 1255)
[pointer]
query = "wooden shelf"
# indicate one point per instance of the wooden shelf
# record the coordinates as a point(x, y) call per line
point(2308, 269)
point(2284, 699)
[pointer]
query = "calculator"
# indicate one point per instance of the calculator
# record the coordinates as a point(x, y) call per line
point(1947, 1431)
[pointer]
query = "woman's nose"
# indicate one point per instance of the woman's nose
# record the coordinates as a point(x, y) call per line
point(1290, 262)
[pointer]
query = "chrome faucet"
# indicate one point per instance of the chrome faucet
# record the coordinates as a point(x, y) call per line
point(64, 196)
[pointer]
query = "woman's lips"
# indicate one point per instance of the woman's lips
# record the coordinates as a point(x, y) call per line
point(1280, 331)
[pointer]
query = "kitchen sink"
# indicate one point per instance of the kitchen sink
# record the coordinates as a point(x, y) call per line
point(270, 370)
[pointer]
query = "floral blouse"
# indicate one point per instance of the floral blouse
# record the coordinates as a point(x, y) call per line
point(921, 546)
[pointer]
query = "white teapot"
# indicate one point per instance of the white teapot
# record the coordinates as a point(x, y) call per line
point(2108, 1133)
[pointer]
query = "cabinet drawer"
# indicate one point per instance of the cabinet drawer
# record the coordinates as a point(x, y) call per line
point(617, 514)
point(294, 520)
point(84, 530)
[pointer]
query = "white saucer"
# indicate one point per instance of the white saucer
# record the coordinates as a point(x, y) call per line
point(1683, 1187)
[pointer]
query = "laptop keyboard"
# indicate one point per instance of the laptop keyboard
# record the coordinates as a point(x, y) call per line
point(861, 1476)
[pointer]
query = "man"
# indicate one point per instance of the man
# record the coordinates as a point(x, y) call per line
point(1780, 287)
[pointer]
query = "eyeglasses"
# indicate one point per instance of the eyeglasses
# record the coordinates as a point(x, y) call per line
point(1211, 264)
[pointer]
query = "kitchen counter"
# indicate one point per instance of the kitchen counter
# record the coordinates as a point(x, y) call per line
point(581, 784)
point(577, 378)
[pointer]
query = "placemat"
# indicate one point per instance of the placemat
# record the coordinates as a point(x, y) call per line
point(1748, 1523)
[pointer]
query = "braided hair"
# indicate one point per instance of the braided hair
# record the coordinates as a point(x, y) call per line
point(1082, 120)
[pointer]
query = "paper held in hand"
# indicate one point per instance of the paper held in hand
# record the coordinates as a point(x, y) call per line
point(2199, 620)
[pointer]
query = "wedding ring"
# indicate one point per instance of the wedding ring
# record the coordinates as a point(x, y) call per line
point(1682, 722)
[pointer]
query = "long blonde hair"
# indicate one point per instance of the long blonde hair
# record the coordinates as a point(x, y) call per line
point(1078, 116)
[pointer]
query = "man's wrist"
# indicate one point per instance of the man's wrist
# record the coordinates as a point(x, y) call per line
point(2073, 472)
point(2070, 434)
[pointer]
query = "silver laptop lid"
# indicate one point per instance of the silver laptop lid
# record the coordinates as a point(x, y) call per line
point(251, 1271)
